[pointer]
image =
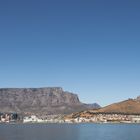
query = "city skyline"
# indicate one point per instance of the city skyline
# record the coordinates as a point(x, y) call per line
point(90, 48)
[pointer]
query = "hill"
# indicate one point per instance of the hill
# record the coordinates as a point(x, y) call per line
point(128, 107)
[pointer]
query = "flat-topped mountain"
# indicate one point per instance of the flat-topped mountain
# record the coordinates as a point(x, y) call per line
point(39, 100)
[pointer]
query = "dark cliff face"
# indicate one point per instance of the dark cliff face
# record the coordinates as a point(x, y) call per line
point(39, 100)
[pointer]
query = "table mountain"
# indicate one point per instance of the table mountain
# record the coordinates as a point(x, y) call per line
point(39, 101)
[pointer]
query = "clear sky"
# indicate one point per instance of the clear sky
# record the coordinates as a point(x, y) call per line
point(89, 47)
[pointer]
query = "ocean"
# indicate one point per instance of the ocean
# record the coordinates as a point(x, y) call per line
point(70, 131)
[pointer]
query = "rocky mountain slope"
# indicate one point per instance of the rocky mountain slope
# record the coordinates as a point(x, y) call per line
point(39, 101)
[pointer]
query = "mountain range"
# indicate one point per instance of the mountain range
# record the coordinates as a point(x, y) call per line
point(54, 100)
point(49, 100)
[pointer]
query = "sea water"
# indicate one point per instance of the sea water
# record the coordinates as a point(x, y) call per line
point(70, 131)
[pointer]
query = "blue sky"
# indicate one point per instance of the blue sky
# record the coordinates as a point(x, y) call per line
point(87, 47)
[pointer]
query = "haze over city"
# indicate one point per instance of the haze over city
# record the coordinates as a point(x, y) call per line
point(89, 48)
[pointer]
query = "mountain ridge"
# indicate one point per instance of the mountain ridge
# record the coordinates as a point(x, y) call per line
point(46, 100)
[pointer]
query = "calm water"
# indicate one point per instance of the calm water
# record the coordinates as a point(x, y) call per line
point(69, 132)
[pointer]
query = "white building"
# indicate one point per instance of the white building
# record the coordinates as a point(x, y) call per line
point(32, 118)
point(136, 119)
